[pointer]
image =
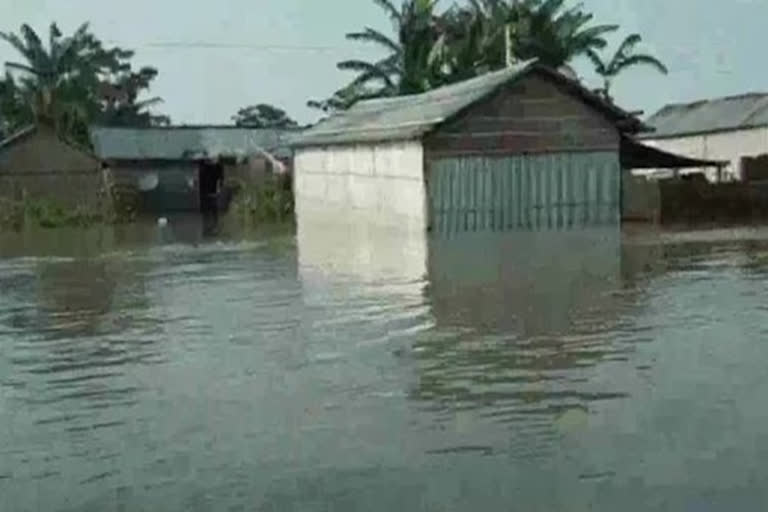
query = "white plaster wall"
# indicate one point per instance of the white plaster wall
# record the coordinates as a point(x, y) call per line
point(382, 184)
point(730, 146)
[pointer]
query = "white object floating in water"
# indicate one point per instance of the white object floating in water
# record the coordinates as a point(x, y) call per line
point(162, 222)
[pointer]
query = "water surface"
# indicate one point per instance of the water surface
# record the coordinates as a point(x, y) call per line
point(150, 369)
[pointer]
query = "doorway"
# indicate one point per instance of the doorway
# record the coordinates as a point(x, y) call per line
point(211, 176)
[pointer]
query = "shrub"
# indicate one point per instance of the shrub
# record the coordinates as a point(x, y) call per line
point(268, 201)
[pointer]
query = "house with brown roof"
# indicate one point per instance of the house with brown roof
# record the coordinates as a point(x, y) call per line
point(526, 147)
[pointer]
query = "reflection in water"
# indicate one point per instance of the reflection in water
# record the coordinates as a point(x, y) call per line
point(350, 368)
point(521, 319)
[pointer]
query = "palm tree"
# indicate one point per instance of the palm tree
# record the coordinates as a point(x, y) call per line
point(476, 38)
point(624, 58)
point(52, 78)
point(543, 30)
point(73, 81)
point(413, 62)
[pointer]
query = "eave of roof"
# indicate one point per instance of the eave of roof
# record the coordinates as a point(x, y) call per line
point(698, 133)
point(636, 155)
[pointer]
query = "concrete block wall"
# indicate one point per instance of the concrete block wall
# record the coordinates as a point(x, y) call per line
point(382, 184)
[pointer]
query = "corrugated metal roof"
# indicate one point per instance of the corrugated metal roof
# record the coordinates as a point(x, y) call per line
point(411, 116)
point(720, 114)
point(187, 143)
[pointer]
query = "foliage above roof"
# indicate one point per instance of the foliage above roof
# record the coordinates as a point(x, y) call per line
point(412, 116)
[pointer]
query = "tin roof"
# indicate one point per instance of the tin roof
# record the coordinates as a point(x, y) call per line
point(707, 116)
point(412, 116)
point(187, 142)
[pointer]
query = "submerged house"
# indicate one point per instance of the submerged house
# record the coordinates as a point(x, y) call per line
point(526, 147)
point(733, 129)
point(36, 163)
point(189, 168)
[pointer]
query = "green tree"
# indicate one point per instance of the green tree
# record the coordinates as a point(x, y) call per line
point(553, 34)
point(13, 113)
point(74, 81)
point(475, 37)
point(263, 116)
point(413, 61)
point(432, 49)
point(624, 58)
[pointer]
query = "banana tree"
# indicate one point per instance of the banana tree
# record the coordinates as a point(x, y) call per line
point(624, 58)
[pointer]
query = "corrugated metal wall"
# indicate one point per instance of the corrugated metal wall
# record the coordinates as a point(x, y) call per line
point(551, 191)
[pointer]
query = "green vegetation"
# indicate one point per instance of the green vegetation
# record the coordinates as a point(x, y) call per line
point(72, 82)
point(624, 58)
point(263, 116)
point(18, 214)
point(270, 201)
point(431, 48)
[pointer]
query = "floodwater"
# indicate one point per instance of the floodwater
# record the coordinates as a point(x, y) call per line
point(151, 369)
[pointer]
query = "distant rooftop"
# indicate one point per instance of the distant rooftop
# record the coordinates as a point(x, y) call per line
point(720, 114)
point(188, 142)
point(412, 116)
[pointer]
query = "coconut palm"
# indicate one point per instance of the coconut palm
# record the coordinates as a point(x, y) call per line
point(545, 30)
point(622, 59)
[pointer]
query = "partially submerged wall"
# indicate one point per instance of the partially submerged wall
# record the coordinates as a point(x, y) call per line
point(380, 183)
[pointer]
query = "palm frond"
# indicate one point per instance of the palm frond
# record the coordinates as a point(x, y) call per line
point(597, 61)
point(374, 36)
point(642, 59)
point(628, 45)
point(22, 67)
point(18, 44)
point(367, 72)
point(391, 10)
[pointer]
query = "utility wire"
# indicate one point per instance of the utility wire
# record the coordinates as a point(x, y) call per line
point(212, 45)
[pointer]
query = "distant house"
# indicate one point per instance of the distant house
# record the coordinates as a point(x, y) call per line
point(522, 148)
point(189, 168)
point(36, 163)
point(733, 129)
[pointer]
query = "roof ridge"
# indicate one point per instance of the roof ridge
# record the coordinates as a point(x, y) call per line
point(712, 100)
point(476, 81)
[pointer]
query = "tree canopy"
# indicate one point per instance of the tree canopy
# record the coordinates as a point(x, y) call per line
point(429, 48)
point(72, 82)
point(263, 116)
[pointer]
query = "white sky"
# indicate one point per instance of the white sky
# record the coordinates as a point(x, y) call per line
point(712, 47)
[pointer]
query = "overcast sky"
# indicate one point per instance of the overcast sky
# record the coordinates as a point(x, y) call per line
point(288, 48)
